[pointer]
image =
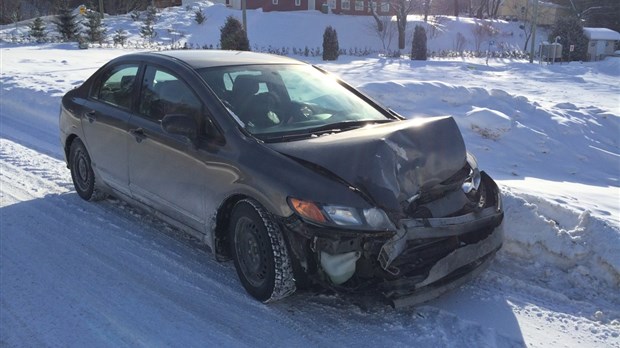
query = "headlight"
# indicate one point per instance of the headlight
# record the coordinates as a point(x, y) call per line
point(343, 216)
point(473, 180)
point(372, 218)
point(378, 219)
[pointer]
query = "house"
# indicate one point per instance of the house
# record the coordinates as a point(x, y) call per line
point(349, 7)
point(249, 4)
point(523, 10)
point(167, 3)
point(601, 42)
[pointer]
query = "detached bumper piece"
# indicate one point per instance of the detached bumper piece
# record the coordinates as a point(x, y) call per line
point(432, 256)
point(451, 271)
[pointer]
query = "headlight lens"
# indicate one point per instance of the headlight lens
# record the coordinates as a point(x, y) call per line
point(372, 218)
point(378, 219)
point(344, 216)
point(473, 180)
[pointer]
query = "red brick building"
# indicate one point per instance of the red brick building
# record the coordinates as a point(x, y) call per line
point(167, 3)
point(348, 7)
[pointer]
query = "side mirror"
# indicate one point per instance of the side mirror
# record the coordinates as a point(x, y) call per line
point(180, 124)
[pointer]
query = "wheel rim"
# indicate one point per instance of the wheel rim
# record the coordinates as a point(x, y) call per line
point(82, 173)
point(248, 247)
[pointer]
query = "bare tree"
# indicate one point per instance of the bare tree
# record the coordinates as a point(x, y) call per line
point(7, 9)
point(460, 42)
point(378, 21)
point(487, 8)
point(482, 32)
point(427, 9)
point(526, 23)
point(383, 27)
point(402, 8)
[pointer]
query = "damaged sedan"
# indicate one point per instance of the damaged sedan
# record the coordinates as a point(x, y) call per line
point(293, 174)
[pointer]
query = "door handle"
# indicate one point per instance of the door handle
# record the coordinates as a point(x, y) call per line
point(90, 116)
point(138, 133)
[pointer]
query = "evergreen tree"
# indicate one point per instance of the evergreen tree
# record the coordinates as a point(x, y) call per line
point(95, 30)
point(418, 46)
point(147, 31)
point(330, 44)
point(232, 36)
point(570, 31)
point(199, 17)
point(37, 30)
point(120, 37)
point(66, 24)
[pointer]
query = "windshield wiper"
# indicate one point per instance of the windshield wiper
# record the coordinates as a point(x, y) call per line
point(328, 128)
point(343, 126)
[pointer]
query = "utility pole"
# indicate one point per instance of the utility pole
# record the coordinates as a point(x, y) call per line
point(101, 8)
point(534, 25)
point(245, 20)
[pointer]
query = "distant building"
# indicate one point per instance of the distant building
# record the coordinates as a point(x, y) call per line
point(167, 3)
point(601, 42)
point(349, 7)
point(523, 10)
point(236, 4)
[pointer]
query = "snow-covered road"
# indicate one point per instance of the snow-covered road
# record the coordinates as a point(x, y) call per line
point(74, 273)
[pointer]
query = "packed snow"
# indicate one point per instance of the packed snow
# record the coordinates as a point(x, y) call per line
point(74, 273)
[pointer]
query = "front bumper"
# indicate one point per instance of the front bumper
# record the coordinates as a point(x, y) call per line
point(423, 259)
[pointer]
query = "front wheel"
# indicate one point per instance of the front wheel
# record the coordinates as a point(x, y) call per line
point(82, 172)
point(260, 253)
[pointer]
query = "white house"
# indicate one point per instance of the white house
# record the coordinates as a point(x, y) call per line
point(601, 42)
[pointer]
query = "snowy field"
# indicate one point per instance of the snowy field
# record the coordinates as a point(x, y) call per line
point(80, 274)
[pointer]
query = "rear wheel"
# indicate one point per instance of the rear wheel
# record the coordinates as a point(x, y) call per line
point(82, 172)
point(260, 253)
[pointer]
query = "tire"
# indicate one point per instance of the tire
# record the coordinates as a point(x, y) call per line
point(82, 172)
point(260, 253)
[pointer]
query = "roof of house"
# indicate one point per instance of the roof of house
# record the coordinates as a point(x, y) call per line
point(601, 34)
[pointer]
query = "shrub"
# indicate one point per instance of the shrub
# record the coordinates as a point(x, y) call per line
point(95, 30)
point(120, 37)
point(199, 17)
point(233, 36)
point(147, 31)
point(66, 24)
point(330, 44)
point(418, 46)
point(37, 30)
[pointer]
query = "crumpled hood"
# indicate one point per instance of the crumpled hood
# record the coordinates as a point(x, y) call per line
point(390, 162)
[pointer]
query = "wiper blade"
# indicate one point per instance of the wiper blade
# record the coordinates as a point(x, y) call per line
point(307, 133)
point(274, 138)
point(344, 125)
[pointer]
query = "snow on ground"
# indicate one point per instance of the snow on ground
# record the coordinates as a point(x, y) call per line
point(74, 273)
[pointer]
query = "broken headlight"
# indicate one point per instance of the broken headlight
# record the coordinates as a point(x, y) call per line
point(473, 179)
point(372, 218)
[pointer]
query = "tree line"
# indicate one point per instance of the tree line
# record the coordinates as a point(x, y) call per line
point(12, 11)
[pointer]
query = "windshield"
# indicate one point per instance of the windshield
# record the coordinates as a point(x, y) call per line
point(277, 101)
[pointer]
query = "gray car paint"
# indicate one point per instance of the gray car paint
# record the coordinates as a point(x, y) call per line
point(390, 162)
point(189, 180)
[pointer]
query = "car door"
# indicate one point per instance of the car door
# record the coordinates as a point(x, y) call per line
point(165, 171)
point(105, 115)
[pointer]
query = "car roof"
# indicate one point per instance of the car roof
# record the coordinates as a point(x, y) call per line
point(212, 58)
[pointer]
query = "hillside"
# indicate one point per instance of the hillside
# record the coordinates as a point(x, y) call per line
point(298, 30)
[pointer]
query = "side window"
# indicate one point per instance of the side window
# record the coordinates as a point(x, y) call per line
point(117, 85)
point(163, 94)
